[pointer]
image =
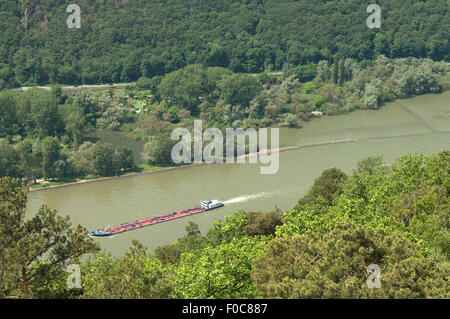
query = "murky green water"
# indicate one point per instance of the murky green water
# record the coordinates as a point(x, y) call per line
point(421, 124)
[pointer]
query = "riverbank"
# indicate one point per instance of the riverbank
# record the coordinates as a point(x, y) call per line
point(102, 179)
point(158, 170)
point(150, 170)
point(332, 141)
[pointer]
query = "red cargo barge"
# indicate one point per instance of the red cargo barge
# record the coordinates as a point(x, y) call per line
point(205, 206)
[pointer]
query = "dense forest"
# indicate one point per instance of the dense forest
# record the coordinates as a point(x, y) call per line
point(125, 40)
point(395, 216)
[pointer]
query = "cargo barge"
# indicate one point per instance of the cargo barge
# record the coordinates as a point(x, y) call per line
point(204, 206)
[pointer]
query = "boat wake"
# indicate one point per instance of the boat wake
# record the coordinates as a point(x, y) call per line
point(245, 198)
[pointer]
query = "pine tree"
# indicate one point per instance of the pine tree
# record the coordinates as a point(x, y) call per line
point(341, 72)
point(334, 72)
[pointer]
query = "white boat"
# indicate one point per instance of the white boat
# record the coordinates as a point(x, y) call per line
point(210, 204)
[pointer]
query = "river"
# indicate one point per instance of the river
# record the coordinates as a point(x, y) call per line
point(420, 124)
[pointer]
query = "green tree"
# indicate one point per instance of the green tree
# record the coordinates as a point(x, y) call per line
point(10, 162)
point(262, 223)
point(220, 272)
point(32, 249)
point(371, 96)
point(158, 150)
point(75, 123)
point(82, 159)
point(333, 265)
point(126, 157)
point(8, 117)
point(137, 274)
point(44, 109)
point(192, 241)
point(306, 72)
point(239, 89)
point(25, 150)
point(335, 71)
point(231, 227)
point(103, 159)
point(328, 186)
point(185, 87)
point(86, 101)
point(173, 114)
point(56, 92)
point(50, 155)
point(341, 72)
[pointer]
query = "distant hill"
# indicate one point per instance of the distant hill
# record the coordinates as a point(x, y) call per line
point(122, 40)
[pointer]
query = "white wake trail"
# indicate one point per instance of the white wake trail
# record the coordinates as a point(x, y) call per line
point(244, 198)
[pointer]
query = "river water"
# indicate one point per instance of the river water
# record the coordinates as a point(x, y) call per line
point(420, 124)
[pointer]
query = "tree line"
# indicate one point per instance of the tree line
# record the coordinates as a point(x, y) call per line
point(44, 134)
point(121, 43)
point(223, 99)
point(49, 132)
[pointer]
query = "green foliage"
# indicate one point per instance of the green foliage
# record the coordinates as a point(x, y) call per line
point(10, 162)
point(394, 216)
point(138, 274)
point(75, 123)
point(33, 249)
point(333, 265)
point(50, 156)
point(290, 120)
point(215, 94)
point(126, 157)
point(239, 89)
point(263, 224)
point(245, 37)
point(114, 110)
point(219, 272)
point(173, 114)
point(87, 102)
point(309, 87)
point(191, 241)
point(371, 97)
point(25, 150)
point(411, 192)
point(158, 150)
point(184, 87)
point(105, 161)
point(306, 72)
point(8, 117)
point(231, 227)
point(327, 186)
point(37, 113)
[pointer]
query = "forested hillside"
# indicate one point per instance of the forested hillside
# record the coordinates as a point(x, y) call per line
point(395, 216)
point(122, 40)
